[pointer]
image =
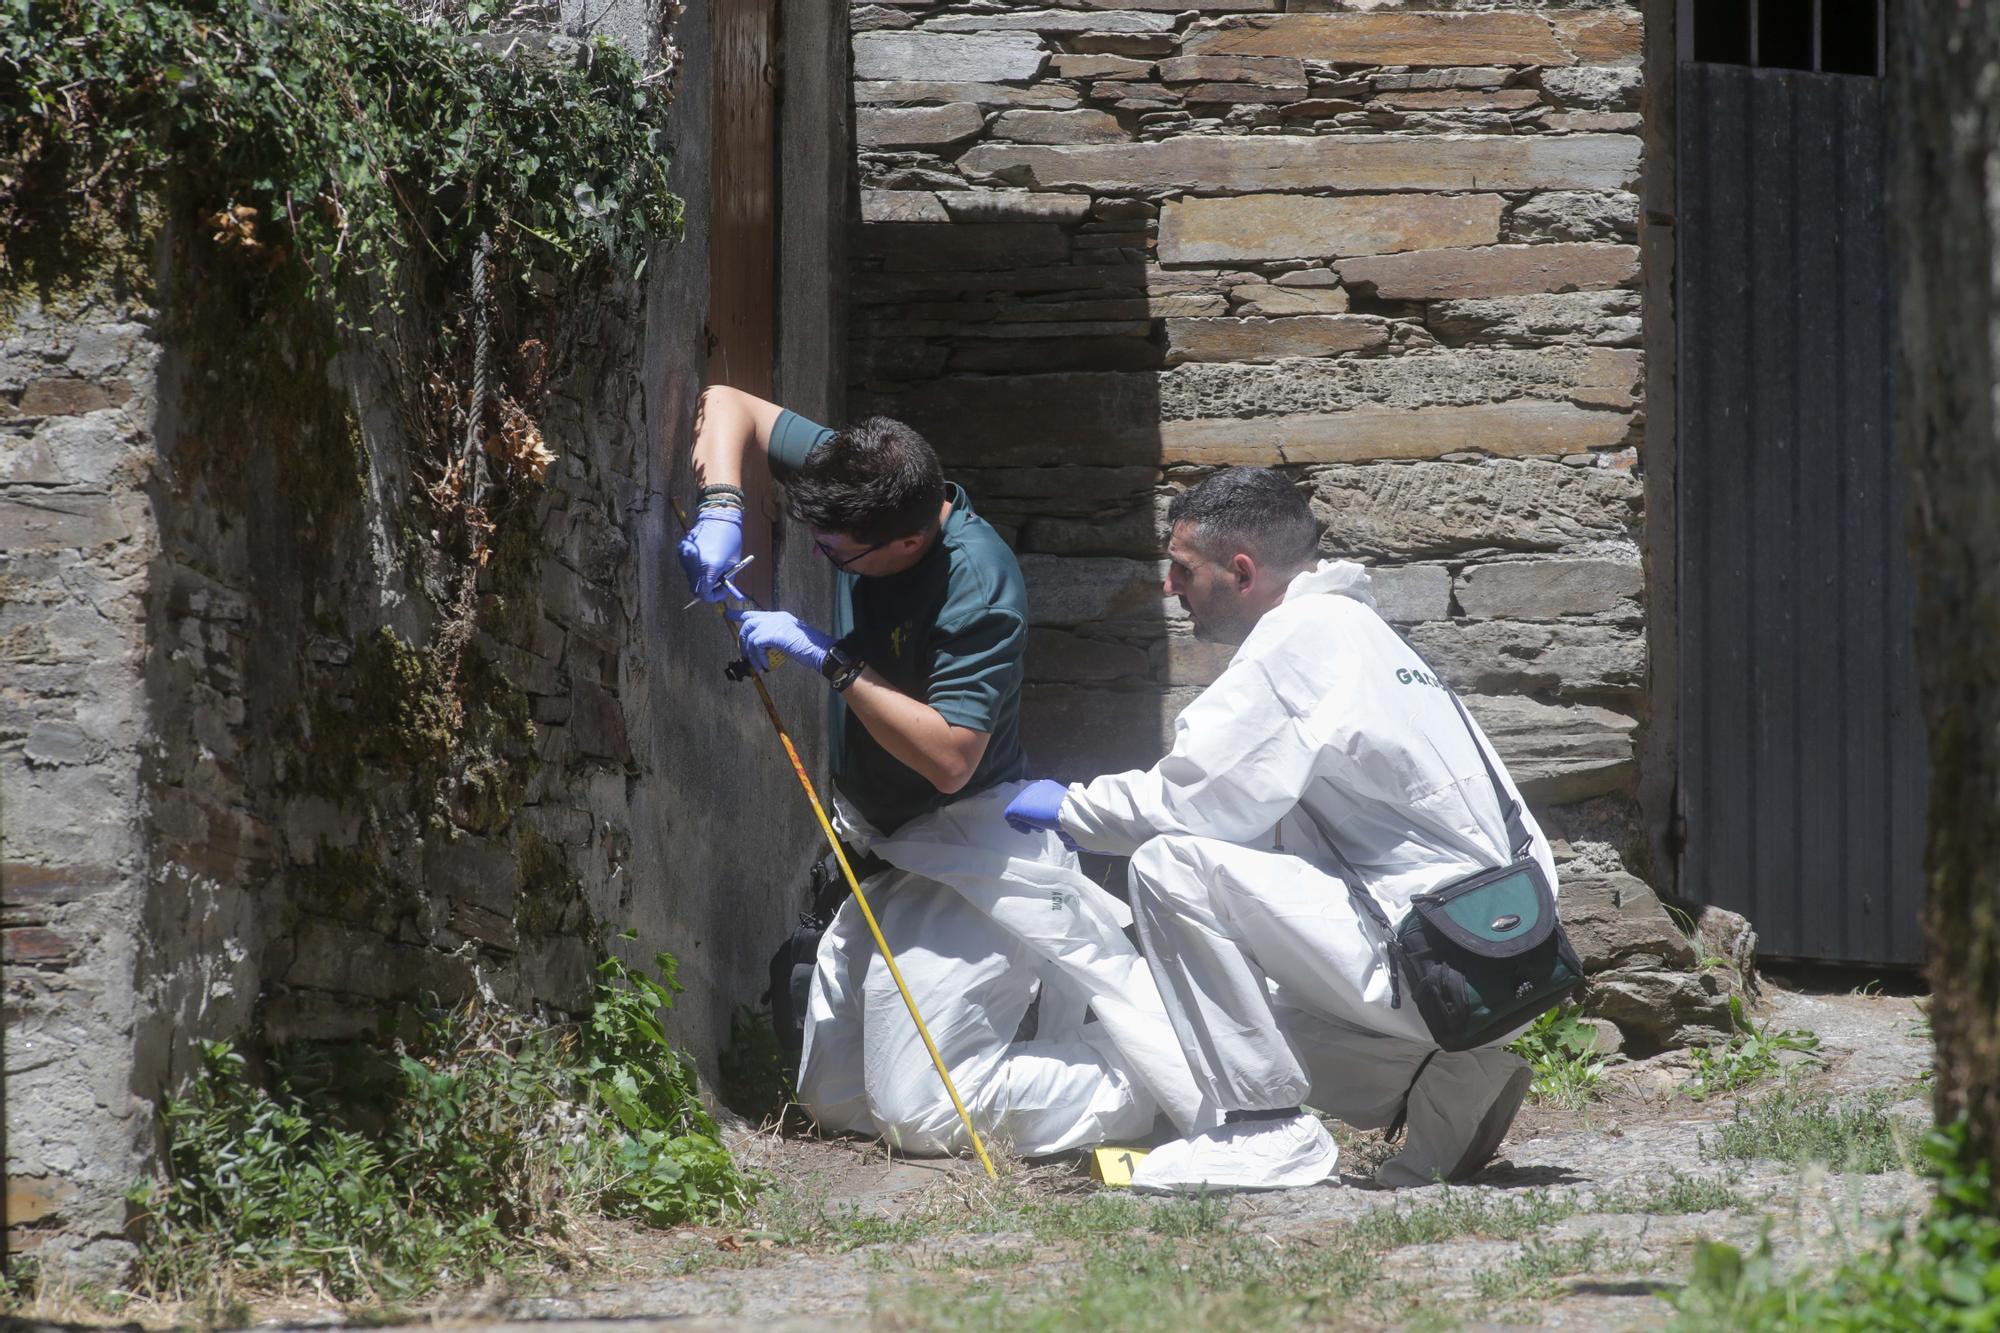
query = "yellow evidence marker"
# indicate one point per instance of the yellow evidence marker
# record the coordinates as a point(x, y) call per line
point(1113, 1166)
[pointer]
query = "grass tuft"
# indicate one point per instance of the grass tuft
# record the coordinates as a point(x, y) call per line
point(1465, 1213)
point(1677, 1193)
point(1798, 1128)
point(1186, 1219)
point(1536, 1272)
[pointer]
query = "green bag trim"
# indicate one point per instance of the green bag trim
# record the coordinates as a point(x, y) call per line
point(1469, 913)
point(1498, 911)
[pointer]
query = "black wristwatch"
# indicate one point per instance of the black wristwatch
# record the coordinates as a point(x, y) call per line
point(839, 669)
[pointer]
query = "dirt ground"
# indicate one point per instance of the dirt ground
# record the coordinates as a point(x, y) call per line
point(849, 1239)
point(1579, 1224)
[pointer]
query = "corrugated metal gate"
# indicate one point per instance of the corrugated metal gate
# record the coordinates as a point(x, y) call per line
point(1802, 760)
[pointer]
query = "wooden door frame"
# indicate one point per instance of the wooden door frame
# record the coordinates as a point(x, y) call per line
point(1659, 742)
point(753, 339)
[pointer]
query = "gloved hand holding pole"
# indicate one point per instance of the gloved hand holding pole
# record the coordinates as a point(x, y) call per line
point(710, 551)
point(765, 635)
point(832, 838)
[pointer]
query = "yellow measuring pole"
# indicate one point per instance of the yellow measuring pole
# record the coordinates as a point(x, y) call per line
point(867, 912)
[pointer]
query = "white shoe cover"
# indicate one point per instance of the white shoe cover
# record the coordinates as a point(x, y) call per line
point(1248, 1155)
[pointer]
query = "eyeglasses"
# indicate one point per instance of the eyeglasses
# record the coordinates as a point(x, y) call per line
point(841, 564)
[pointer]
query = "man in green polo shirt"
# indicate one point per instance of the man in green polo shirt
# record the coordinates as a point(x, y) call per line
point(924, 659)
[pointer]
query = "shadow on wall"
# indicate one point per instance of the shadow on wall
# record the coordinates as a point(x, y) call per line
point(1014, 330)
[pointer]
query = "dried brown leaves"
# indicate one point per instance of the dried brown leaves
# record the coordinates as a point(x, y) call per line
point(507, 431)
point(234, 228)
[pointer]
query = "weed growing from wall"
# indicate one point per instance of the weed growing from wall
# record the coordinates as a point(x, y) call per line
point(435, 188)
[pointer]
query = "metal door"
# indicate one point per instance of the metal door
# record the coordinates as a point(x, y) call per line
point(743, 239)
point(1801, 747)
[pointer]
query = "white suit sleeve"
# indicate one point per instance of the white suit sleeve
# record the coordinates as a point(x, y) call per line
point(1242, 756)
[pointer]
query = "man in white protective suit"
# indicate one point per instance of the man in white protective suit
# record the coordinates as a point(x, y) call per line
point(924, 665)
point(1325, 725)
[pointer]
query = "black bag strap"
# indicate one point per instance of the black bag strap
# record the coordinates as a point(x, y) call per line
point(1520, 843)
point(1369, 908)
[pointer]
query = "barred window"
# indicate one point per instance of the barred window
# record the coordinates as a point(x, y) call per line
point(1824, 36)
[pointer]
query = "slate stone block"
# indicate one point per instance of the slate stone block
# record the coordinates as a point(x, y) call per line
point(945, 57)
point(1546, 589)
point(1412, 39)
point(1559, 753)
point(1497, 270)
point(1283, 226)
point(1610, 918)
point(1235, 165)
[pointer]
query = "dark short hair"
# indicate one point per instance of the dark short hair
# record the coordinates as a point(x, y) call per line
point(1249, 509)
point(875, 481)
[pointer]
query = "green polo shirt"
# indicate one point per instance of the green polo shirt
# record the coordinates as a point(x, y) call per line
point(950, 630)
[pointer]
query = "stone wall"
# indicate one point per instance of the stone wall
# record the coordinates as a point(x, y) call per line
point(246, 789)
point(1104, 248)
point(77, 406)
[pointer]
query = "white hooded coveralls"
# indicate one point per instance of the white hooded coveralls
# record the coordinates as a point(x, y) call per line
point(979, 917)
point(1325, 723)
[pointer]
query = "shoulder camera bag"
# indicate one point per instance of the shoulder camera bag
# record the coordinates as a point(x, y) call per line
point(1485, 954)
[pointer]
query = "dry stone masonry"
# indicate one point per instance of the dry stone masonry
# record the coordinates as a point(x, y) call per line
point(1105, 247)
point(77, 404)
point(248, 790)
point(237, 801)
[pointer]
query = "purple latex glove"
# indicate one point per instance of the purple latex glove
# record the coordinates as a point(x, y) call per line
point(762, 632)
point(710, 550)
point(1038, 806)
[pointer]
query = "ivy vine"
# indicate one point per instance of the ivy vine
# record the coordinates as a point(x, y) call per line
point(341, 136)
point(448, 187)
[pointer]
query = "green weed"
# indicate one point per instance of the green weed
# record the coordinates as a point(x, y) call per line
point(1188, 1218)
point(1750, 1055)
point(307, 119)
point(262, 1188)
point(1940, 1275)
point(1560, 1045)
point(1678, 1192)
point(1796, 1128)
point(483, 1146)
point(971, 1258)
point(670, 1164)
point(1465, 1213)
point(1092, 1216)
point(1536, 1272)
point(857, 1230)
point(1134, 1284)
